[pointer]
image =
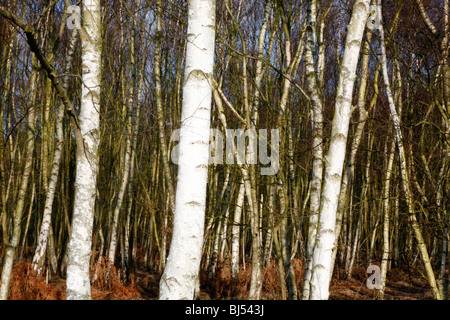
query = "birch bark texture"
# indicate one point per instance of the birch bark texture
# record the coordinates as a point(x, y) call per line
point(313, 91)
point(334, 160)
point(39, 255)
point(180, 276)
point(79, 247)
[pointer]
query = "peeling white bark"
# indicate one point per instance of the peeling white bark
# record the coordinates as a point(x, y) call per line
point(235, 231)
point(38, 258)
point(334, 160)
point(181, 272)
point(317, 164)
point(79, 247)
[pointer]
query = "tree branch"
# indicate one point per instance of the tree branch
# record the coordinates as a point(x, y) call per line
point(32, 41)
point(426, 18)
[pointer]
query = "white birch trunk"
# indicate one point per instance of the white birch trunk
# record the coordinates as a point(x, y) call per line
point(181, 272)
point(38, 258)
point(334, 160)
point(235, 231)
point(363, 115)
point(79, 247)
point(386, 221)
point(317, 164)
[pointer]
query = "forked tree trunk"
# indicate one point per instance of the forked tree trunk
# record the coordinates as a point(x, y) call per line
point(349, 173)
point(334, 160)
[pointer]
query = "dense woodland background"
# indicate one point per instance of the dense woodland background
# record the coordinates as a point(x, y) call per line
point(141, 96)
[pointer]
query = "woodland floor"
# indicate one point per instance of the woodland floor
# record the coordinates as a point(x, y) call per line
point(143, 285)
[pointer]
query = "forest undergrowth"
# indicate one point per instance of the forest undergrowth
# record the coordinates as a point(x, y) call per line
point(143, 284)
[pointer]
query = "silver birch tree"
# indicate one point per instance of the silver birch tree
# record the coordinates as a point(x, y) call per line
point(235, 231)
point(317, 123)
point(181, 272)
point(334, 160)
point(38, 258)
point(79, 247)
